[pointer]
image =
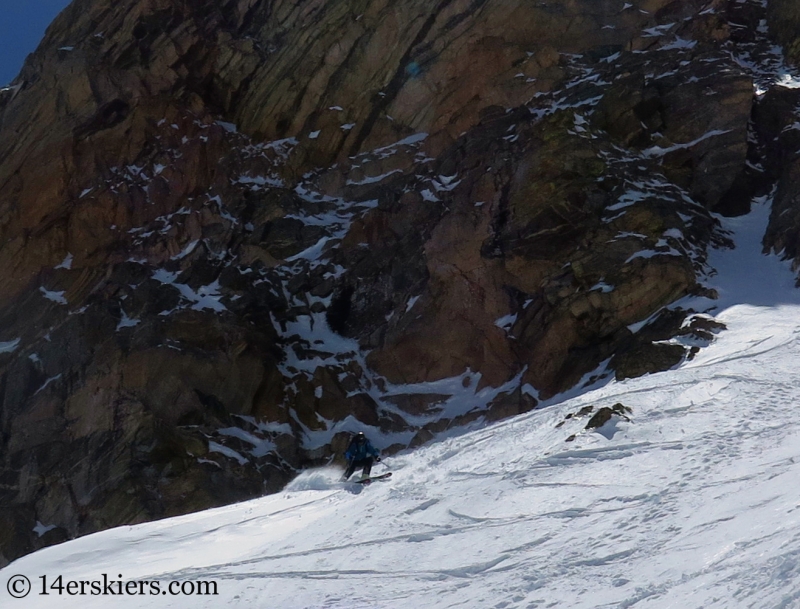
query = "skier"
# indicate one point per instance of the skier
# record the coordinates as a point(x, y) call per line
point(360, 453)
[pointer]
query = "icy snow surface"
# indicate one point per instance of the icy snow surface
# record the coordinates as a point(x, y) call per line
point(694, 502)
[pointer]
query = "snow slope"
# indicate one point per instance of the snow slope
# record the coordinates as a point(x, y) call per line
point(694, 502)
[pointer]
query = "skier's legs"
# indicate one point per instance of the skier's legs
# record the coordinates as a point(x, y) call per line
point(367, 466)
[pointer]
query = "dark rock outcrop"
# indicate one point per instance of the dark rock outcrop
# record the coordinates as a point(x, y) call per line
point(784, 22)
point(606, 413)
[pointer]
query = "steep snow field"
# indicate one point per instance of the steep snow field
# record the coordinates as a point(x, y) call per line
point(694, 502)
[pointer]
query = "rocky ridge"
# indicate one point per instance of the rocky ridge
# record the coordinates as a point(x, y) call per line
point(234, 231)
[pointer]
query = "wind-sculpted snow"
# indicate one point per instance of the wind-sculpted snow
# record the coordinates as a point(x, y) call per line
point(690, 500)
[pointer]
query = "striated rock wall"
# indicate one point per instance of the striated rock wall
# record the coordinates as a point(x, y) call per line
point(233, 231)
point(779, 128)
point(784, 22)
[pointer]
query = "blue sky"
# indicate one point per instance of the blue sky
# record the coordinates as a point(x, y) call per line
point(22, 26)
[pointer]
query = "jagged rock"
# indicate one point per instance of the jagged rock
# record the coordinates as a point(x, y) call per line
point(510, 404)
point(419, 404)
point(780, 136)
point(701, 146)
point(585, 411)
point(784, 23)
point(646, 358)
point(783, 234)
point(605, 414)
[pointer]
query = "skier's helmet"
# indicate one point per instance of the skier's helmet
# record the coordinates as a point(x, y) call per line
point(360, 438)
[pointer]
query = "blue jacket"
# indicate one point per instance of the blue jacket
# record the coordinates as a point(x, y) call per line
point(356, 452)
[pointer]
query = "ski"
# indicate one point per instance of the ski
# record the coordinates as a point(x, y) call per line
point(385, 476)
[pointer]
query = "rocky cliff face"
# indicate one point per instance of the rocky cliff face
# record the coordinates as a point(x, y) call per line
point(233, 231)
point(784, 23)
